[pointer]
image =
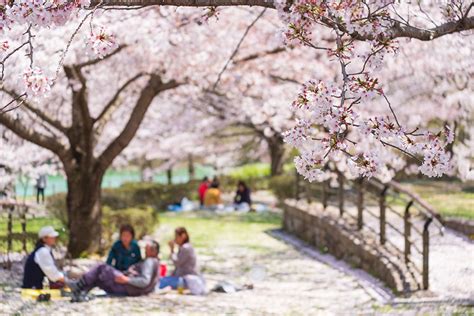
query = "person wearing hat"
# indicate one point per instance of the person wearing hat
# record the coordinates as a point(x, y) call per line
point(40, 263)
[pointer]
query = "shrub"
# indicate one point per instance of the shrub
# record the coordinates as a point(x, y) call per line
point(251, 171)
point(142, 219)
point(56, 205)
point(283, 186)
point(158, 196)
point(255, 175)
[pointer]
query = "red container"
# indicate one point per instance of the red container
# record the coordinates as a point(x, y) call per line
point(163, 269)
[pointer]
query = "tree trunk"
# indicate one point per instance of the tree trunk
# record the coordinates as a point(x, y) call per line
point(191, 168)
point(84, 212)
point(169, 175)
point(276, 149)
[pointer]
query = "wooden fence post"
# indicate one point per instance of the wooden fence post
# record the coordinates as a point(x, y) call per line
point(340, 180)
point(10, 229)
point(382, 204)
point(426, 253)
point(407, 231)
point(325, 193)
point(360, 204)
point(297, 185)
point(23, 227)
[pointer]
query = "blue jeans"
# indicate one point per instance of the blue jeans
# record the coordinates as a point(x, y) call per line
point(169, 281)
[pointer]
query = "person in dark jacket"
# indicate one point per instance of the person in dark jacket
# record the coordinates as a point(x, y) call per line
point(243, 194)
point(140, 278)
point(40, 263)
point(125, 252)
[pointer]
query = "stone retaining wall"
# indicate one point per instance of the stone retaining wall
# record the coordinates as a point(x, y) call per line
point(326, 233)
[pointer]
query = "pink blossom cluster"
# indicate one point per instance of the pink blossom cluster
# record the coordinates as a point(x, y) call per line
point(101, 43)
point(36, 82)
point(38, 12)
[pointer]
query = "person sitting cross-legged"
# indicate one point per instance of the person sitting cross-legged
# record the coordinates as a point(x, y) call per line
point(140, 279)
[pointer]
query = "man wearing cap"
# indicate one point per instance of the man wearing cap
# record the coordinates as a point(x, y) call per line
point(40, 263)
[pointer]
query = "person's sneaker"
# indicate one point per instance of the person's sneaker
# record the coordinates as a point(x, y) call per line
point(80, 297)
point(73, 285)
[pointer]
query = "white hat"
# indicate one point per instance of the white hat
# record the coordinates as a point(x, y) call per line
point(47, 231)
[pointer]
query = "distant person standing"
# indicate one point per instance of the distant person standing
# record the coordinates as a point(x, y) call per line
point(203, 186)
point(40, 187)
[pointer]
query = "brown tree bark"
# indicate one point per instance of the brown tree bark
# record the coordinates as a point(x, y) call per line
point(169, 175)
point(84, 212)
point(276, 149)
point(191, 168)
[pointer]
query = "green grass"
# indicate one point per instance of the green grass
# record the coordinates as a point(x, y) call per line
point(249, 171)
point(211, 231)
point(450, 198)
point(32, 227)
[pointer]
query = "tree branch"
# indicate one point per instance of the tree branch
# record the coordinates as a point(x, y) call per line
point(33, 136)
point(183, 3)
point(260, 54)
point(152, 89)
point(236, 49)
point(79, 96)
point(400, 30)
point(54, 123)
point(98, 60)
point(114, 99)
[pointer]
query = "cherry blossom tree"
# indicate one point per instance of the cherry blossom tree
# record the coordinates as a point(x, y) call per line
point(86, 103)
point(92, 109)
point(334, 121)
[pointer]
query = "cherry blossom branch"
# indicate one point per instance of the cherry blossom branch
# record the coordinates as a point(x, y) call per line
point(154, 86)
point(391, 109)
point(33, 136)
point(5, 109)
point(30, 45)
point(98, 60)
point(68, 45)
point(398, 30)
point(236, 49)
point(54, 123)
point(114, 99)
point(185, 3)
point(401, 149)
point(260, 54)
point(2, 63)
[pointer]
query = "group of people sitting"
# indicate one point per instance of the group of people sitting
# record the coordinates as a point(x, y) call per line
point(125, 271)
point(210, 195)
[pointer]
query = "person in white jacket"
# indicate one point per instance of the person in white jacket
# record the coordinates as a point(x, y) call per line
point(40, 263)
